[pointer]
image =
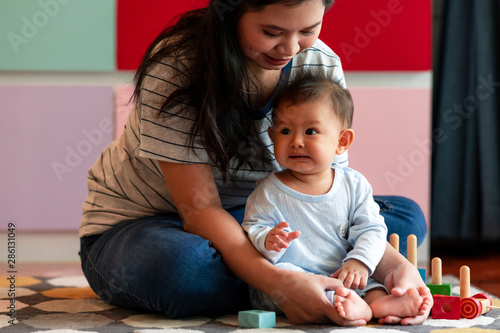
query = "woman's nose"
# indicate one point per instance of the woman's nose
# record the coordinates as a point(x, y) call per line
point(289, 47)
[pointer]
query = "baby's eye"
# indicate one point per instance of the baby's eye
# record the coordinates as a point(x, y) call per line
point(285, 131)
point(311, 131)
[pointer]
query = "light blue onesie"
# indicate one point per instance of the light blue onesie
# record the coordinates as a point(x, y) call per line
point(342, 224)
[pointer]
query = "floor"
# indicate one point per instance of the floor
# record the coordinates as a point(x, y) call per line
point(484, 266)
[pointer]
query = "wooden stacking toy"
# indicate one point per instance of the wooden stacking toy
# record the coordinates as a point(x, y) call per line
point(454, 307)
point(437, 286)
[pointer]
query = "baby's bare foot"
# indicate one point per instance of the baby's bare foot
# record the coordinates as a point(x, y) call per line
point(350, 306)
point(427, 302)
point(414, 320)
point(410, 304)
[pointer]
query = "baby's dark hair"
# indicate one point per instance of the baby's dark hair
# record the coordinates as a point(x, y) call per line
point(310, 87)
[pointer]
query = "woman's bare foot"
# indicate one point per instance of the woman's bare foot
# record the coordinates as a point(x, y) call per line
point(411, 304)
point(350, 306)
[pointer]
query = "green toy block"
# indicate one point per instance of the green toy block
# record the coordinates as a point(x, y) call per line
point(440, 289)
point(257, 319)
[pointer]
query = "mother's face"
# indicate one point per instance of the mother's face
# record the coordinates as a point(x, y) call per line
point(271, 37)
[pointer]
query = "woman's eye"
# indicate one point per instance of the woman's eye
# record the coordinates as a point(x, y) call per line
point(311, 131)
point(309, 33)
point(267, 33)
point(285, 131)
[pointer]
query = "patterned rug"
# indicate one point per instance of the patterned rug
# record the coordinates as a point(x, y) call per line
point(67, 304)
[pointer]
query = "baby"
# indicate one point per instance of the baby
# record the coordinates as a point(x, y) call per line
point(313, 218)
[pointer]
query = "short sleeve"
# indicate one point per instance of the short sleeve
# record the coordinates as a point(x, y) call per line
point(165, 134)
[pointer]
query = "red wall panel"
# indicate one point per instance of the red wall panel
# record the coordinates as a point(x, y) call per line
point(139, 22)
point(371, 35)
point(388, 35)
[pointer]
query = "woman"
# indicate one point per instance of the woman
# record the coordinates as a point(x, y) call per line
point(160, 228)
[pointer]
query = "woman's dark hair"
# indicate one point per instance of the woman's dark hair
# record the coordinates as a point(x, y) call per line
point(218, 79)
point(311, 87)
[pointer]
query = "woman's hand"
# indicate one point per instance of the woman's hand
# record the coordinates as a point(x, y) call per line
point(302, 298)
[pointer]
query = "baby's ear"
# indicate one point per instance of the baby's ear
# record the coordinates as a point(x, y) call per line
point(346, 138)
point(270, 132)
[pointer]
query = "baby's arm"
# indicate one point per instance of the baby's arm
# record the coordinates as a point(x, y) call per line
point(353, 273)
point(277, 238)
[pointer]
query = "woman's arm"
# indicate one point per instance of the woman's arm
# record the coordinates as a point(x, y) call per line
point(301, 296)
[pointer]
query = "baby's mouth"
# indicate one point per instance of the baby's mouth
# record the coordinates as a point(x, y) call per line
point(299, 156)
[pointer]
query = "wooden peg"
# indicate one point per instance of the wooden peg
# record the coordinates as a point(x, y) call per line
point(464, 282)
point(412, 249)
point(394, 241)
point(437, 274)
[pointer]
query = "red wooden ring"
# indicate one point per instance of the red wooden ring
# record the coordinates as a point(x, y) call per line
point(470, 308)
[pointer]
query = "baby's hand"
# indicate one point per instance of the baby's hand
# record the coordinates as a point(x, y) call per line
point(353, 273)
point(278, 238)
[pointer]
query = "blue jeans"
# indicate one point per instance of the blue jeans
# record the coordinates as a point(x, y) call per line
point(153, 264)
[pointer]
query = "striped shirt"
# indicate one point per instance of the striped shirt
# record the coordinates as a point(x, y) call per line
point(126, 181)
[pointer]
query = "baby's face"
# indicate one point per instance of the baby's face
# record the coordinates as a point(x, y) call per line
point(306, 136)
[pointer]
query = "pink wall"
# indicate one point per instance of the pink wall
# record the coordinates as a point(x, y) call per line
point(50, 135)
point(391, 146)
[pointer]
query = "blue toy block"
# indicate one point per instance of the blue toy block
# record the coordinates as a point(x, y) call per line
point(257, 319)
point(423, 274)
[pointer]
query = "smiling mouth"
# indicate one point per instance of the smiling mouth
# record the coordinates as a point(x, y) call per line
point(275, 61)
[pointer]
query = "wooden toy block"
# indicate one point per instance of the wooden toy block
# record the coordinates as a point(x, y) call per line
point(412, 255)
point(437, 287)
point(446, 307)
point(257, 319)
point(440, 289)
point(470, 308)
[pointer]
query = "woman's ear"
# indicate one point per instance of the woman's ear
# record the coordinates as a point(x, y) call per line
point(270, 132)
point(346, 138)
